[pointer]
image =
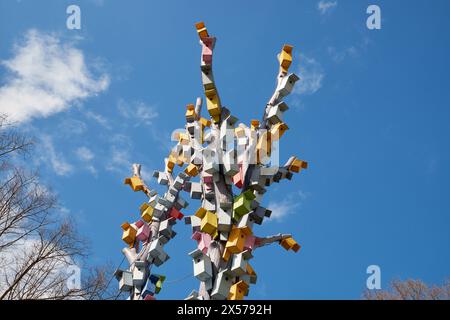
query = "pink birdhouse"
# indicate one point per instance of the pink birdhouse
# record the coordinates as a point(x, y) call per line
point(203, 240)
point(143, 232)
point(207, 49)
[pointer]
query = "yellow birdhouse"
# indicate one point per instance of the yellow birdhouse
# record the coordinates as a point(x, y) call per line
point(135, 183)
point(146, 212)
point(238, 291)
point(297, 165)
point(190, 112)
point(129, 233)
point(213, 106)
point(236, 239)
point(278, 130)
point(209, 223)
point(285, 58)
point(191, 170)
point(290, 244)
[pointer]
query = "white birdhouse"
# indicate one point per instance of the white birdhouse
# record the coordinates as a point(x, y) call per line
point(222, 286)
point(202, 265)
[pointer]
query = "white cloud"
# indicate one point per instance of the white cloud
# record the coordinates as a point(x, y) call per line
point(354, 51)
point(287, 206)
point(72, 127)
point(340, 55)
point(101, 120)
point(46, 76)
point(56, 160)
point(326, 6)
point(311, 76)
point(137, 111)
point(120, 161)
point(84, 154)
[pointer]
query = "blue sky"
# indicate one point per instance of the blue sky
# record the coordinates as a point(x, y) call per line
point(371, 116)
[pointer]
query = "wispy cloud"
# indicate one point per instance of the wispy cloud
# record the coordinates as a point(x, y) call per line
point(325, 7)
point(84, 154)
point(287, 206)
point(99, 119)
point(311, 76)
point(46, 76)
point(137, 111)
point(70, 127)
point(341, 54)
point(353, 51)
point(55, 159)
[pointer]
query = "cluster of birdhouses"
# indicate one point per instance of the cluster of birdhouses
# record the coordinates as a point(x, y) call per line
point(234, 165)
point(147, 236)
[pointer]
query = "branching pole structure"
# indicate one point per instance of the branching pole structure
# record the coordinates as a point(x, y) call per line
point(234, 165)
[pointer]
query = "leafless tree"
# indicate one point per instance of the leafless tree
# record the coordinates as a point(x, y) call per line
point(36, 249)
point(410, 290)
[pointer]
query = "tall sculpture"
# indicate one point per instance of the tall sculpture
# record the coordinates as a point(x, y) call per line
point(234, 165)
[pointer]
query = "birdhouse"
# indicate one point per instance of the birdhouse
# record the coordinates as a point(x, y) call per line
point(236, 239)
point(290, 244)
point(207, 50)
point(209, 223)
point(239, 263)
point(242, 204)
point(143, 232)
point(196, 190)
point(165, 228)
point(223, 220)
point(139, 273)
point(135, 183)
point(207, 78)
point(125, 279)
point(201, 30)
point(159, 260)
point(287, 84)
point(156, 248)
point(297, 165)
point(285, 58)
point(129, 233)
point(213, 106)
point(202, 265)
point(191, 170)
point(275, 114)
point(238, 291)
point(146, 212)
point(159, 283)
point(190, 113)
point(259, 213)
point(238, 178)
point(222, 286)
point(203, 240)
point(278, 130)
point(246, 221)
point(174, 213)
